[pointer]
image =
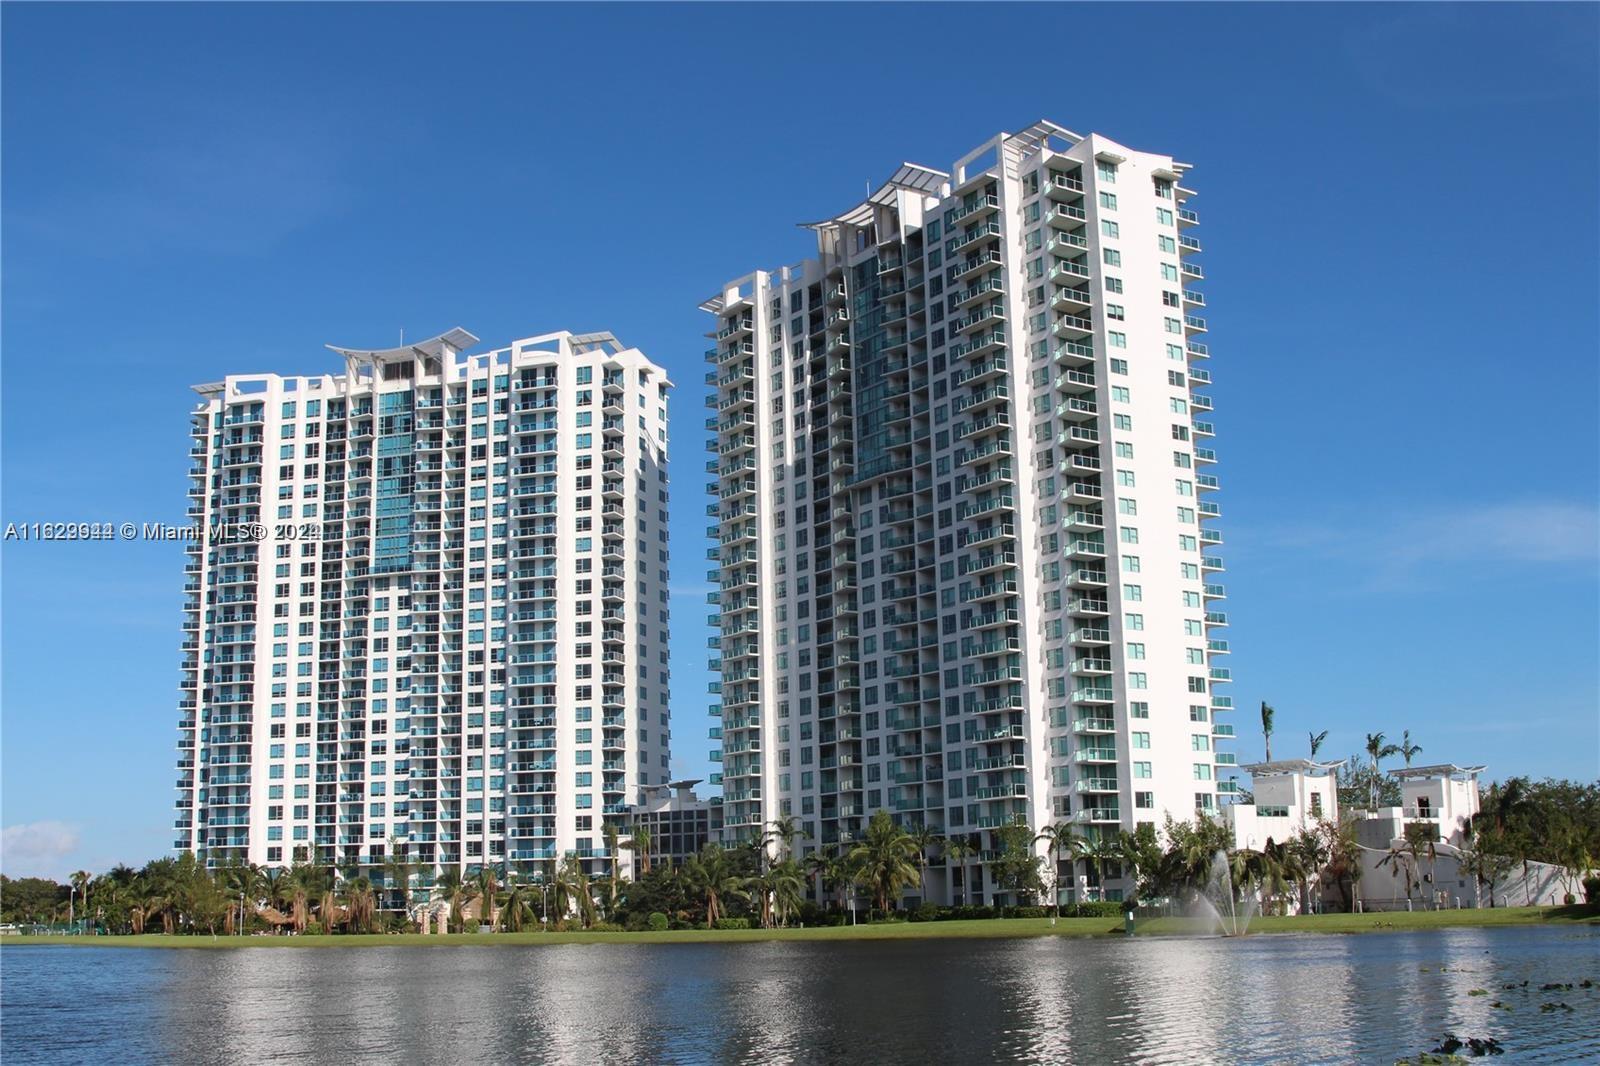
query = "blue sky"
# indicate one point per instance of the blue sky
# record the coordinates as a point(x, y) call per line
point(1399, 208)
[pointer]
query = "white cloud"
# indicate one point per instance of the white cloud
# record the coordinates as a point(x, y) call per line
point(35, 849)
point(1392, 546)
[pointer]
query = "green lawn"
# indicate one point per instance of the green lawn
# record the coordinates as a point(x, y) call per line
point(1008, 927)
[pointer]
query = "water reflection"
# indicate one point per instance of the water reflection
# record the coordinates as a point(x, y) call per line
point(1262, 999)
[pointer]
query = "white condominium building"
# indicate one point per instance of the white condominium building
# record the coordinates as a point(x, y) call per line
point(427, 608)
point(966, 573)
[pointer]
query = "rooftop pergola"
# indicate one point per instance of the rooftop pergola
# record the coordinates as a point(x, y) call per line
point(1442, 770)
point(911, 176)
point(1280, 767)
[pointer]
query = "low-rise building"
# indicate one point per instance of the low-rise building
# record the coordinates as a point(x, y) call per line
point(1290, 795)
point(679, 821)
point(1397, 873)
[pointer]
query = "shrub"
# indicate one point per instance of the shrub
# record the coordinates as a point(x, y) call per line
point(1093, 909)
point(927, 912)
point(605, 927)
point(657, 922)
point(1028, 912)
point(1591, 889)
point(967, 911)
point(732, 923)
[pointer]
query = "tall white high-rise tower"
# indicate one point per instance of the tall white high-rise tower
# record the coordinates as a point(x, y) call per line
point(966, 570)
point(427, 613)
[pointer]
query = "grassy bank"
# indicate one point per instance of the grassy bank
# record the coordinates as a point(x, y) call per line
point(984, 928)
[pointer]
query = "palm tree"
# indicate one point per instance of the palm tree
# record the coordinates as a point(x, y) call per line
point(573, 893)
point(1420, 841)
point(518, 909)
point(1061, 838)
point(328, 908)
point(959, 851)
point(1105, 849)
point(484, 888)
point(1280, 867)
point(1267, 714)
point(242, 884)
point(1406, 749)
point(397, 873)
point(782, 831)
point(80, 884)
point(302, 884)
point(1316, 741)
point(1310, 853)
point(884, 859)
point(452, 888)
point(1399, 859)
point(639, 844)
point(361, 902)
point(613, 853)
point(826, 867)
point(711, 876)
point(923, 838)
point(787, 885)
point(1377, 751)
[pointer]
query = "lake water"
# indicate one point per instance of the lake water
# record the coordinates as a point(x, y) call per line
point(1371, 998)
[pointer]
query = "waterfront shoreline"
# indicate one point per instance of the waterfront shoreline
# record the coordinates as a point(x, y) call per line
point(982, 928)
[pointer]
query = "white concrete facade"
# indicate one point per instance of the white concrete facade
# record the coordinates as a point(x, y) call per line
point(429, 609)
point(1291, 796)
point(1296, 794)
point(965, 568)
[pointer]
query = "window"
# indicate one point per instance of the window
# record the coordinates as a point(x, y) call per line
point(1109, 228)
point(1105, 171)
point(1141, 741)
point(1119, 394)
point(1111, 257)
point(1120, 366)
point(1164, 216)
point(1114, 285)
point(1167, 244)
point(1142, 769)
point(1135, 650)
point(1133, 621)
point(1139, 709)
point(1117, 340)
point(1108, 200)
point(1137, 680)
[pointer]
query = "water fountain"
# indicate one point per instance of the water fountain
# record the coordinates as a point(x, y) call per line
point(1216, 903)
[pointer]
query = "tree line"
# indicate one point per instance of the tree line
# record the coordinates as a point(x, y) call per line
point(765, 882)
